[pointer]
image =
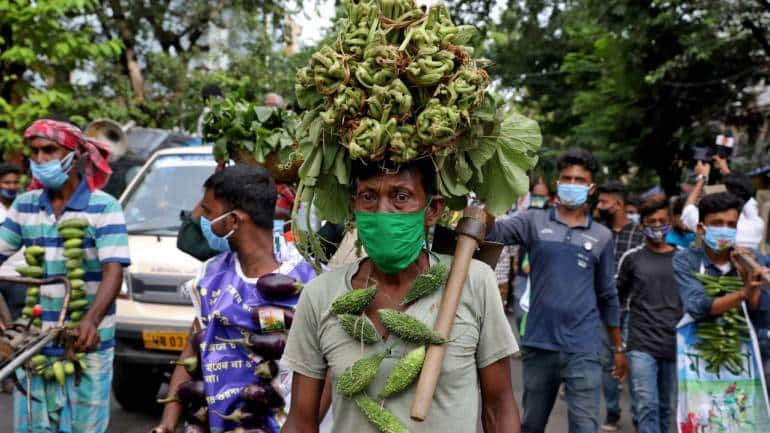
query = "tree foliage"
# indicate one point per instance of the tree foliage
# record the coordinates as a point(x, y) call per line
point(635, 82)
point(41, 42)
point(144, 61)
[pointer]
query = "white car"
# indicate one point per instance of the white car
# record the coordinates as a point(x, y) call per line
point(153, 318)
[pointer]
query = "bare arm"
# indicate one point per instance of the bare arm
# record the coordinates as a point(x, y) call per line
point(326, 399)
point(305, 401)
point(499, 411)
point(701, 169)
point(172, 411)
point(109, 288)
point(621, 362)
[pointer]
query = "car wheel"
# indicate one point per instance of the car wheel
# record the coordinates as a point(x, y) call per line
point(133, 393)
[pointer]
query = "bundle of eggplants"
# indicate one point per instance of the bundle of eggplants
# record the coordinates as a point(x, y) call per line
point(260, 399)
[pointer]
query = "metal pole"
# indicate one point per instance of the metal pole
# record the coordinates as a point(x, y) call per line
point(28, 377)
point(17, 361)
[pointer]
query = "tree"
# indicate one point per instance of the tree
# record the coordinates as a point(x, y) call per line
point(177, 28)
point(171, 53)
point(635, 82)
point(41, 42)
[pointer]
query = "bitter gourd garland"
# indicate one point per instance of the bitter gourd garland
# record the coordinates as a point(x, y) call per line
point(349, 309)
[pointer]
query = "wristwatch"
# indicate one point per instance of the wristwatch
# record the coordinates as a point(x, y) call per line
point(621, 349)
point(701, 177)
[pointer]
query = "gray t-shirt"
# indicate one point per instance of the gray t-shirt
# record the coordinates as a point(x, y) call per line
point(481, 336)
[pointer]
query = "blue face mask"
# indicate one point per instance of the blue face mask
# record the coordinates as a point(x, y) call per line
point(634, 217)
point(720, 239)
point(53, 174)
point(216, 242)
point(8, 194)
point(572, 195)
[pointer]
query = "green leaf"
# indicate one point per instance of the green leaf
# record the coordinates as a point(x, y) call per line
point(520, 138)
point(307, 98)
point(504, 182)
point(332, 200)
point(450, 183)
point(311, 167)
point(264, 113)
point(505, 174)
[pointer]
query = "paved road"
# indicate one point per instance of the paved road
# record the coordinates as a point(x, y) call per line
point(130, 422)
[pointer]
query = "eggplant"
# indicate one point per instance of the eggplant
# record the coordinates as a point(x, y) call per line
point(268, 346)
point(237, 416)
point(266, 370)
point(191, 364)
point(195, 428)
point(288, 317)
point(191, 393)
point(200, 416)
point(262, 396)
point(277, 287)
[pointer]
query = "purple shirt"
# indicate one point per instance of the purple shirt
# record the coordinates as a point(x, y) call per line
point(224, 299)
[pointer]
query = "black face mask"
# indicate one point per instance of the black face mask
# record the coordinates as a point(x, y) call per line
point(605, 215)
point(190, 238)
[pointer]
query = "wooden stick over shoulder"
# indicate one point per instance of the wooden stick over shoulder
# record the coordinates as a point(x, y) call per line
point(747, 261)
point(470, 233)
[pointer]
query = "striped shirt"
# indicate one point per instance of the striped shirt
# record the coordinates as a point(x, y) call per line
point(31, 221)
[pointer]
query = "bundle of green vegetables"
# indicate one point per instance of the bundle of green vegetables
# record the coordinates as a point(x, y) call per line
point(398, 84)
point(251, 133)
point(721, 338)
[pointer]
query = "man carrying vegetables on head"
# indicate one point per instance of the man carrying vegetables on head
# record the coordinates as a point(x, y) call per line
point(70, 228)
point(713, 284)
point(227, 376)
point(369, 323)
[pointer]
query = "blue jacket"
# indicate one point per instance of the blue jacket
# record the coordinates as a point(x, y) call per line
point(697, 303)
point(572, 288)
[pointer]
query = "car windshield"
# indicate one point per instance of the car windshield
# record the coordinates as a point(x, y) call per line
point(172, 183)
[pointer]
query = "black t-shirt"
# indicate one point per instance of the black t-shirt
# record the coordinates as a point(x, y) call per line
point(655, 307)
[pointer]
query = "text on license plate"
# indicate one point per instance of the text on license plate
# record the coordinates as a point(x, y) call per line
point(164, 340)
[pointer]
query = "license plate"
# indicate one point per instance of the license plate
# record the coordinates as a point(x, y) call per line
point(164, 340)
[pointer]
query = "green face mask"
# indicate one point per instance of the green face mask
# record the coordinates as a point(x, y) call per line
point(392, 240)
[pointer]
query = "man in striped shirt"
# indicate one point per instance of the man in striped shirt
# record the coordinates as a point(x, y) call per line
point(55, 150)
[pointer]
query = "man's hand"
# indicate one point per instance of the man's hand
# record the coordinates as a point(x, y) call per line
point(162, 429)
point(702, 169)
point(752, 278)
point(88, 335)
point(621, 366)
point(721, 165)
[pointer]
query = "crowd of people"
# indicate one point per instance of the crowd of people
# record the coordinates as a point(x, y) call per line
point(597, 293)
point(607, 285)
